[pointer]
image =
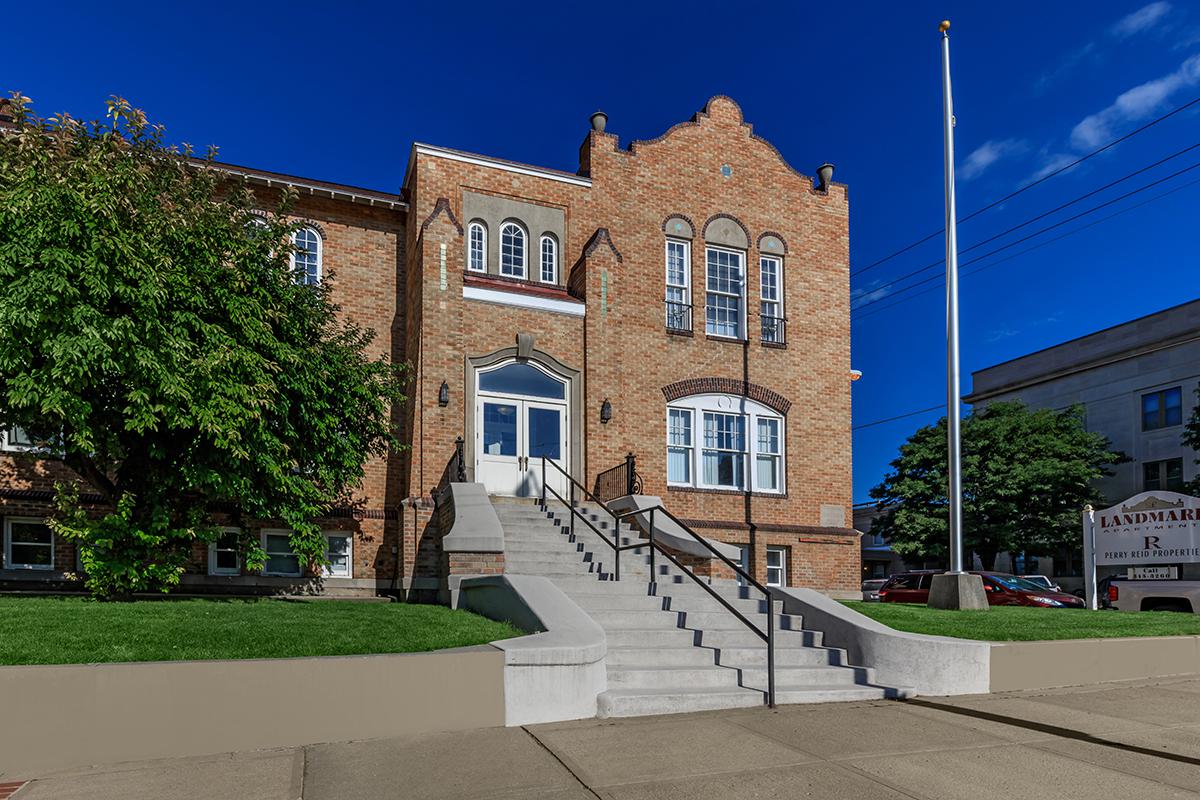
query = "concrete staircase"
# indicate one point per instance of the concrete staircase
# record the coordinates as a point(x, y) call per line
point(677, 649)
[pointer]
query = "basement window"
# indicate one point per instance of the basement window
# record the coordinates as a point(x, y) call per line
point(28, 544)
point(281, 560)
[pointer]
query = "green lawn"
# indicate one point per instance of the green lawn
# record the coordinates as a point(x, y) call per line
point(1023, 623)
point(62, 630)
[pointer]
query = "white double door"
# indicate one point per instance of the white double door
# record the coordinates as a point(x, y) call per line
point(512, 434)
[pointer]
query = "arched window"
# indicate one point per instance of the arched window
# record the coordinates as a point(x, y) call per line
point(512, 250)
point(718, 441)
point(477, 247)
point(306, 256)
point(549, 260)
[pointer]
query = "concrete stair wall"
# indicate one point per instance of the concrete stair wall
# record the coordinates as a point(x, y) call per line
point(672, 647)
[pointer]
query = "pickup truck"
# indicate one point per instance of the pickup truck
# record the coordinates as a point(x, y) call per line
point(1126, 595)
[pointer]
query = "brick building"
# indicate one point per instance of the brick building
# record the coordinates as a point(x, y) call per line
point(683, 299)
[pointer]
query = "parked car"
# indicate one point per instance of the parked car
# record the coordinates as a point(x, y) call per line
point(1043, 581)
point(1001, 589)
point(870, 589)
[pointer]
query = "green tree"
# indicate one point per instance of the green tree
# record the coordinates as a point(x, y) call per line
point(157, 341)
point(1026, 476)
point(1191, 438)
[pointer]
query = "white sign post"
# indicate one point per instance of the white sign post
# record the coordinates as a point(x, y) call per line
point(1148, 529)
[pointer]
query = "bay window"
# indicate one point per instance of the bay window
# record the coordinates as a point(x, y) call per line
point(740, 444)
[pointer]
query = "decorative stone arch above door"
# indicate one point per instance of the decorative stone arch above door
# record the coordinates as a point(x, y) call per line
point(524, 352)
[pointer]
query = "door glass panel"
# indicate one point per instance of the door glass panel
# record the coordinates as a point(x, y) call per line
point(545, 433)
point(523, 379)
point(499, 429)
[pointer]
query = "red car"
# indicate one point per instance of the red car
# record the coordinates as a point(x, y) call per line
point(1002, 590)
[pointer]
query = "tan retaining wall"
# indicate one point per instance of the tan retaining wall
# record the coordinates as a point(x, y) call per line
point(1075, 662)
point(56, 717)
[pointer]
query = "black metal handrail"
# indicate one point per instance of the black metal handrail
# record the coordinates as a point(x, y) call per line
point(774, 330)
point(767, 636)
point(619, 481)
point(679, 316)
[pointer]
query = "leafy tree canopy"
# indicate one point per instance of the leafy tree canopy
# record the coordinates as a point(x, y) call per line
point(1026, 476)
point(156, 339)
point(1191, 438)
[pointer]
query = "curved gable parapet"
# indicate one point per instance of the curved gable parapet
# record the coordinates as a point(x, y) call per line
point(726, 229)
point(602, 236)
point(731, 386)
point(772, 243)
point(442, 205)
point(680, 226)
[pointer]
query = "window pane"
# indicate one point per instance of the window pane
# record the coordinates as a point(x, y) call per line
point(226, 560)
point(545, 433)
point(723, 301)
point(676, 264)
point(30, 533)
point(512, 251)
point(768, 473)
point(287, 565)
point(679, 427)
point(1150, 480)
point(499, 429)
point(477, 260)
point(306, 258)
point(1149, 411)
point(35, 555)
point(549, 261)
point(18, 438)
point(1173, 406)
point(278, 543)
point(338, 545)
point(679, 465)
point(723, 469)
point(1174, 469)
point(521, 379)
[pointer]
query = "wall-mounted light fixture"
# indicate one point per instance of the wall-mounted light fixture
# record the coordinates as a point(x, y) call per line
point(605, 411)
point(444, 395)
point(824, 177)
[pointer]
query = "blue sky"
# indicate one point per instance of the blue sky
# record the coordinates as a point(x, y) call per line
point(340, 95)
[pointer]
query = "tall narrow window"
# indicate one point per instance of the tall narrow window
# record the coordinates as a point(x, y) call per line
point(776, 566)
point(679, 445)
point(477, 247)
point(679, 306)
point(724, 450)
point(549, 260)
point(224, 555)
point(338, 548)
point(512, 250)
point(767, 455)
point(306, 256)
point(771, 294)
point(726, 286)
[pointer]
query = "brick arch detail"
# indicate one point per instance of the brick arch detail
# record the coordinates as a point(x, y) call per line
point(723, 215)
point(683, 217)
point(777, 235)
point(442, 205)
point(602, 237)
point(757, 393)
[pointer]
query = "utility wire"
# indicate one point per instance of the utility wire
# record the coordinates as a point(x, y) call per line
point(1037, 246)
point(1038, 232)
point(893, 419)
point(1031, 220)
point(1029, 186)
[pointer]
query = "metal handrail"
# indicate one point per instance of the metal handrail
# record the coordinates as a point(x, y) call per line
point(767, 636)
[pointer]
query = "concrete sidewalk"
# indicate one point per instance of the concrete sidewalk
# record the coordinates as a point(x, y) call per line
point(1122, 741)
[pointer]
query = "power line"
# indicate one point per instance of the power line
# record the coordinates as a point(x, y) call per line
point(1030, 221)
point(1036, 233)
point(893, 419)
point(1037, 246)
point(1029, 186)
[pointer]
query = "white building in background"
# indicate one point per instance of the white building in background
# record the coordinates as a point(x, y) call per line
point(1137, 382)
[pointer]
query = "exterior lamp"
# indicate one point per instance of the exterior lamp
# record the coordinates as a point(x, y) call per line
point(824, 176)
point(605, 411)
point(855, 374)
point(444, 395)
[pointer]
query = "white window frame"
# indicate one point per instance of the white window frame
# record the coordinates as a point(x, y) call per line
point(684, 289)
point(547, 239)
point(741, 298)
point(483, 245)
point(689, 448)
point(775, 455)
point(781, 567)
point(7, 443)
point(215, 547)
point(8, 559)
point(765, 301)
point(744, 562)
point(523, 264)
point(303, 277)
point(328, 570)
point(280, 532)
point(752, 412)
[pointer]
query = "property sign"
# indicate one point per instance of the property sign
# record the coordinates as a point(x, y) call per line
point(1152, 573)
point(1149, 528)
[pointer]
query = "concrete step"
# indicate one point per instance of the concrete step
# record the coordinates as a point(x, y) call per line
point(677, 700)
point(832, 694)
point(650, 637)
point(745, 638)
point(625, 618)
point(610, 601)
point(794, 677)
point(724, 620)
point(750, 657)
point(666, 677)
point(685, 656)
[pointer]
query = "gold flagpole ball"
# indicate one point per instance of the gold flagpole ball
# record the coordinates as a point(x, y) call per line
point(945, 26)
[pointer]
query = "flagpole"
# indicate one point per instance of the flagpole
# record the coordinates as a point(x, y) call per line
point(953, 417)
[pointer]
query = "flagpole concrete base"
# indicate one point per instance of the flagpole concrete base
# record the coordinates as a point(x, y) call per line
point(958, 591)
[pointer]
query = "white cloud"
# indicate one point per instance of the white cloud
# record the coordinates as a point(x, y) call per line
point(1066, 65)
point(1141, 20)
point(1053, 162)
point(869, 294)
point(1134, 105)
point(989, 153)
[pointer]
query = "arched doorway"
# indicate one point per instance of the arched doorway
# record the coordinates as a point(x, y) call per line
point(521, 414)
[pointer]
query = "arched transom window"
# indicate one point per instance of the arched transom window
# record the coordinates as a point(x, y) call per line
point(512, 250)
point(306, 256)
point(719, 441)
